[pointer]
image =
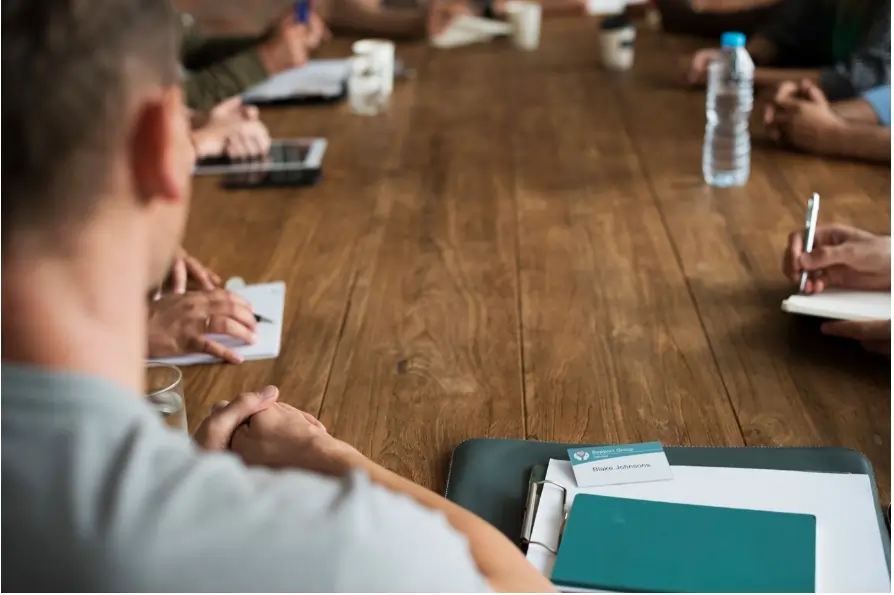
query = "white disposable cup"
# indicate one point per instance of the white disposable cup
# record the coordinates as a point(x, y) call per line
point(365, 96)
point(381, 51)
point(617, 47)
point(525, 17)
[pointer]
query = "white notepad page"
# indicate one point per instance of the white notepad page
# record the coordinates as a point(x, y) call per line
point(468, 29)
point(267, 300)
point(317, 78)
point(850, 557)
point(837, 304)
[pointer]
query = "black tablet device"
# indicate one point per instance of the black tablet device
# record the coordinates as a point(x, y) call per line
point(290, 162)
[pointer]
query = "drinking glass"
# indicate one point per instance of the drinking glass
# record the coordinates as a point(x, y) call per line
point(164, 391)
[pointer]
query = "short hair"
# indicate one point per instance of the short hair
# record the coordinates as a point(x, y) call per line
point(72, 68)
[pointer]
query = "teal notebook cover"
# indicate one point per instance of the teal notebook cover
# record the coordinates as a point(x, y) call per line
point(620, 544)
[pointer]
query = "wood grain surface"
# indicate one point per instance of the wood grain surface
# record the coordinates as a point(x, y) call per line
point(524, 247)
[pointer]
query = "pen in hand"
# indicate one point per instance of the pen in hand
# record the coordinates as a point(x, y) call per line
point(809, 234)
point(259, 318)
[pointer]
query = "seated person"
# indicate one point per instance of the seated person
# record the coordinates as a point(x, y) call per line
point(846, 258)
point(413, 19)
point(800, 116)
point(98, 488)
point(219, 68)
point(230, 129)
point(842, 45)
point(711, 18)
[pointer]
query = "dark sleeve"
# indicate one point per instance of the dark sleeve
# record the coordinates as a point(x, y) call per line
point(209, 86)
point(868, 66)
point(788, 26)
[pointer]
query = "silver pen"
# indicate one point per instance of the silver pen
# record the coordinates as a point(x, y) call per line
point(809, 233)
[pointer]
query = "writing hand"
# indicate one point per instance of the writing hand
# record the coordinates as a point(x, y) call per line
point(179, 323)
point(842, 256)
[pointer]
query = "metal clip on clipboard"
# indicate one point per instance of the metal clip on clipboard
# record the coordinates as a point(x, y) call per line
point(532, 503)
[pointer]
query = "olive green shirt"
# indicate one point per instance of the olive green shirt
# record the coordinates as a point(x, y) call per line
point(217, 68)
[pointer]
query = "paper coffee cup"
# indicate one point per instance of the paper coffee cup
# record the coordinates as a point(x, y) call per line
point(617, 36)
point(524, 17)
point(381, 51)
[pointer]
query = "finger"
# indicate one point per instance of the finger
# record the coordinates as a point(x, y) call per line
point(313, 420)
point(220, 425)
point(879, 347)
point(218, 406)
point(786, 91)
point(813, 92)
point(234, 307)
point(202, 344)
point(822, 257)
point(222, 325)
point(769, 113)
point(200, 273)
point(179, 276)
point(250, 112)
point(229, 106)
point(872, 330)
point(791, 260)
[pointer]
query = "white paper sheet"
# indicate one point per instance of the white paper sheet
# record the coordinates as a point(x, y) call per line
point(467, 29)
point(850, 555)
point(837, 304)
point(267, 300)
point(317, 78)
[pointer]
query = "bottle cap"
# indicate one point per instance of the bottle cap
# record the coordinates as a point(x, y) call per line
point(732, 39)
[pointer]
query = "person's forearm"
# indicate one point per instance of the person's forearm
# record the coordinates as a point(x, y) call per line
point(770, 77)
point(856, 110)
point(498, 559)
point(867, 142)
point(357, 16)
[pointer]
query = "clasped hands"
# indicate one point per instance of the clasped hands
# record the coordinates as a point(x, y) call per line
point(801, 116)
point(265, 432)
point(845, 258)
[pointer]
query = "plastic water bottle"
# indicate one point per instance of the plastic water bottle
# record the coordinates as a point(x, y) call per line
point(726, 159)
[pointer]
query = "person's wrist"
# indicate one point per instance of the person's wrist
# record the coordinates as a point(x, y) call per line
point(205, 143)
point(338, 457)
point(269, 56)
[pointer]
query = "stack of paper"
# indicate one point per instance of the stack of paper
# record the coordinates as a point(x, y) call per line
point(317, 78)
point(850, 556)
point(838, 304)
point(467, 29)
point(267, 300)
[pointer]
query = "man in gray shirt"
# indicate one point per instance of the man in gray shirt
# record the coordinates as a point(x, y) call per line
point(99, 495)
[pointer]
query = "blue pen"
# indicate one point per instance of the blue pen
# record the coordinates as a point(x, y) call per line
point(301, 11)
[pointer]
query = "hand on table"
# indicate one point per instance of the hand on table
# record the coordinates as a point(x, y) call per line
point(216, 431)
point(696, 72)
point(842, 256)
point(442, 12)
point(800, 116)
point(283, 436)
point(232, 129)
point(874, 335)
point(178, 324)
point(186, 268)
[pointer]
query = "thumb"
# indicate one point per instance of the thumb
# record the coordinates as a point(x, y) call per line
point(231, 104)
point(827, 256)
point(179, 276)
point(813, 93)
point(216, 431)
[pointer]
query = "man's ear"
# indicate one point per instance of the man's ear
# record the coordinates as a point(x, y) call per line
point(161, 151)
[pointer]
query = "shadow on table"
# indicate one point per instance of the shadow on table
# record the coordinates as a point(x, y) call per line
point(762, 324)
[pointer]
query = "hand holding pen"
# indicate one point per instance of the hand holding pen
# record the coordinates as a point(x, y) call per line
point(842, 257)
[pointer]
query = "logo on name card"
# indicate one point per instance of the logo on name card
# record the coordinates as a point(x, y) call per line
point(622, 463)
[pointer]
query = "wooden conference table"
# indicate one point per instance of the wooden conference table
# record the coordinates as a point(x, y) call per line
point(523, 247)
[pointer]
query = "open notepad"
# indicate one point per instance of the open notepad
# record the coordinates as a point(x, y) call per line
point(267, 300)
point(850, 556)
point(838, 304)
point(317, 79)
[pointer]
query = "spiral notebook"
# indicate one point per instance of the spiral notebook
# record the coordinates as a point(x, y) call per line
point(267, 300)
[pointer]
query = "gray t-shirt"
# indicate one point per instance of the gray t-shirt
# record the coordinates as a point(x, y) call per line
point(100, 496)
